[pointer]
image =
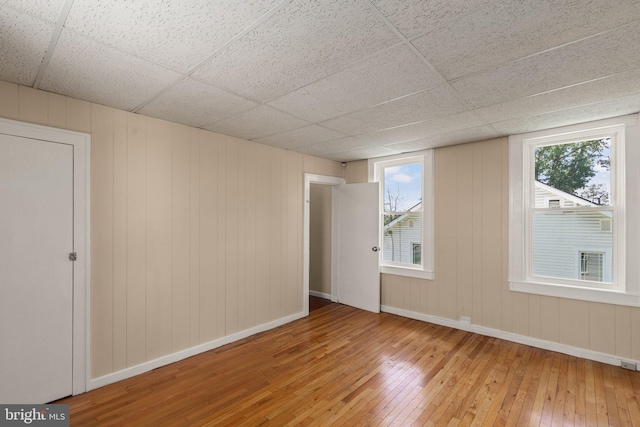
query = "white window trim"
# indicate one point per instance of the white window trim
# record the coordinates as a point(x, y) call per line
point(424, 271)
point(626, 232)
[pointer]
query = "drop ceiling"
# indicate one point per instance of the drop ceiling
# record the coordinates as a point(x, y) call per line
point(340, 79)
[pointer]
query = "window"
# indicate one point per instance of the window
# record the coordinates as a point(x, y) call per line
point(567, 233)
point(592, 266)
point(406, 213)
point(416, 249)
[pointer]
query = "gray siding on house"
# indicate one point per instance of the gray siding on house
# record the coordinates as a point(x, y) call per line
point(560, 236)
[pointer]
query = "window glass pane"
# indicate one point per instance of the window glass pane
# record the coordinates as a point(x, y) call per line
point(400, 238)
point(562, 241)
point(403, 188)
point(573, 174)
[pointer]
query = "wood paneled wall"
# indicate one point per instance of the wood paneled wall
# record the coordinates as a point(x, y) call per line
point(471, 263)
point(195, 235)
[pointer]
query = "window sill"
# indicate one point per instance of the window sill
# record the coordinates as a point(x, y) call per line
point(407, 272)
point(576, 293)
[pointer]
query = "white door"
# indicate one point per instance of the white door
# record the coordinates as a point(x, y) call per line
point(36, 275)
point(355, 245)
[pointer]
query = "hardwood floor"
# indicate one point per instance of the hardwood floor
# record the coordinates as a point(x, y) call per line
point(345, 367)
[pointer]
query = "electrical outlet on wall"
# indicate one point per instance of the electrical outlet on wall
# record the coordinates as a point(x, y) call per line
point(465, 319)
point(628, 365)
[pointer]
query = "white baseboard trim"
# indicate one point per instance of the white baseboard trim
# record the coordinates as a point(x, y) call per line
point(510, 336)
point(183, 354)
point(319, 294)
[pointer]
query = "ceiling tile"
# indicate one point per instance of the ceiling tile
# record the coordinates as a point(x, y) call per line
point(257, 123)
point(596, 111)
point(434, 102)
point(300, 137)
point(175, 34)
point(508, 30)
point(24, 40)
point(391, 74)
point(462, 136)
point(43, 9)
point(84, 69)
point(347, 156)
point(618, 85)
point(414, 17)
point(196, 104)
point(301, 43)
point(600, 56)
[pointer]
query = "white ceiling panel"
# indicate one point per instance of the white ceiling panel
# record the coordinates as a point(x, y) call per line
point(415, 17)
point(303, 42)
point(610, 53)
point(335, 78)
point(481, 40)
point(456, 137)
point(301, 137)
point(196, 104)
point(88, 70)
point(391, 74)
point(175, 34)
point(618, 85)
point(257, 123)
point(23, 43)
point(434, 102)
point(43, 9)
point(599, 110)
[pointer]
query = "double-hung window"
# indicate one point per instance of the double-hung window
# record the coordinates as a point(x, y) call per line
point(568, 213)
point(405, 212)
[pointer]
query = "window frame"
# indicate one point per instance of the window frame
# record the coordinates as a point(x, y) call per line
point(376, 167)
point(521, 279)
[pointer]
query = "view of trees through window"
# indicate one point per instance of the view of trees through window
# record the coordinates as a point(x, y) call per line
point(402, 216)
point(577, 168)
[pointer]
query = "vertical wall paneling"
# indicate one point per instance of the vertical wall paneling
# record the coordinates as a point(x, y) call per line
point(602, 327)
point(9, 101)
point(447, 171)
point(491, 235)
point(507, 302)
point(635, 333)
point(240, 214)
point(251, 219)
point(136, 239)
point(623, 331)
point(549, 313)
point(293, 228)
point(78, 115)
point(120, 186)
point(57, 113)
point(209, 236)
point(220, 280)
point(194, 236)
point(34, 107)
point(464, 246)
point(102, 240)
point(276, 236)
point(159, 243)
point(477, 235)
point(180, 233)
point(263, 235)
point(231, 238)
point(574, 322)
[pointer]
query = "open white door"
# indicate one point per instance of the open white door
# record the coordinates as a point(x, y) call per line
point(355, 245)
point(36, 274)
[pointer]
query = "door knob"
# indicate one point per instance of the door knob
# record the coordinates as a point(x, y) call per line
point(375, 249)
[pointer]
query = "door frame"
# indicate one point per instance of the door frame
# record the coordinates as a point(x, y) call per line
point(310, 178)
point(81, 143)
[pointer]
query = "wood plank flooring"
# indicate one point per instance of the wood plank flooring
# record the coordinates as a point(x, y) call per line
point(346, 367)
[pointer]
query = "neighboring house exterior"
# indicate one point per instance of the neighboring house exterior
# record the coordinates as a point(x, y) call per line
point(402, 240)
point(585, 256)
point(558, 251)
